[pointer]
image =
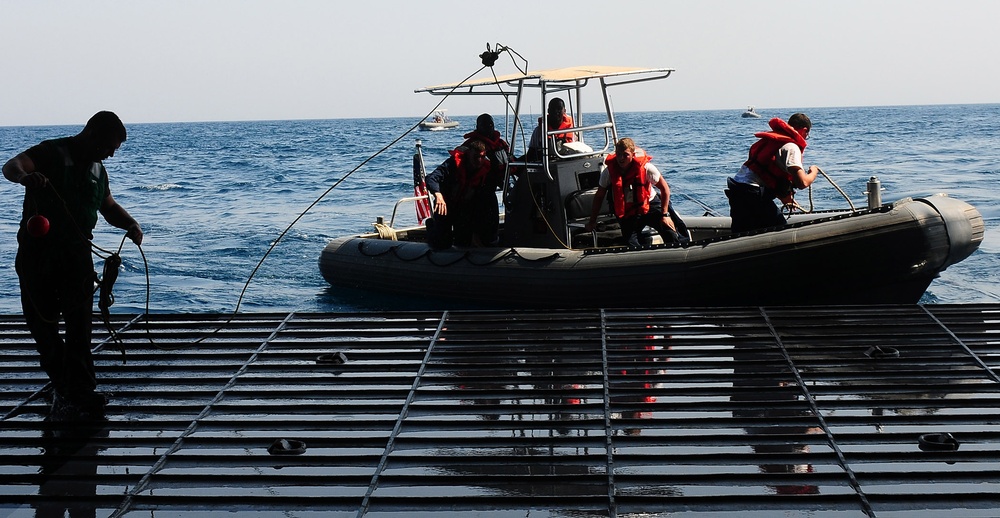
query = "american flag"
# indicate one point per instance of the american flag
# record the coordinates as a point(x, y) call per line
point(423, 205)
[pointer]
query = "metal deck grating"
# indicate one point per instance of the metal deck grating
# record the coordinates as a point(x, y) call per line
point(700, 412)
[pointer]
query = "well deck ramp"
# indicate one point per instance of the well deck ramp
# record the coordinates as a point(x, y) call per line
point(818, 411)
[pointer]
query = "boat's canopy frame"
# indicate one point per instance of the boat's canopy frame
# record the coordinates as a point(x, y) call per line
point(548, 83)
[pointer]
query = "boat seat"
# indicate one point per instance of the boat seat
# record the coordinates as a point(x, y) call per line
point(578, 206)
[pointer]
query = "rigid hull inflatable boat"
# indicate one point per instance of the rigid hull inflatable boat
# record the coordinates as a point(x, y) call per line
point(883, 253)
point(887, 255)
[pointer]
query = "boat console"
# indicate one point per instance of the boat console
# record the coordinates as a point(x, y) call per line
point(548, 213)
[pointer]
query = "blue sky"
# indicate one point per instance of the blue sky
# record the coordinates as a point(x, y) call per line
point(199, 60)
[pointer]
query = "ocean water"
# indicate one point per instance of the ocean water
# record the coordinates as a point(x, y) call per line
point(214, 197)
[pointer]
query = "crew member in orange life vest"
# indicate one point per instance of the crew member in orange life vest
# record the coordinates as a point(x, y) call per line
point(772, 171)
point(497, 150)
point(466, 212)
point(631, 176)
point(555, 120)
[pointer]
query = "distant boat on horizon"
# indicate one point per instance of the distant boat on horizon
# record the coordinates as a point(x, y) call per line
point(751, 113)
point(439, 121)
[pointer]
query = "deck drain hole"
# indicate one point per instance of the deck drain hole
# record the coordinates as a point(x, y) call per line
point(287, 447)
point(878, 352)
point(938, 442)
point(337, 358)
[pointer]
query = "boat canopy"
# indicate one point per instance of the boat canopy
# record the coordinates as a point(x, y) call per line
point(571, 81)
point(538, 78)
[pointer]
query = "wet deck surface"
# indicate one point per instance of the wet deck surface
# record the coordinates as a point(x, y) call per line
point(734, 412)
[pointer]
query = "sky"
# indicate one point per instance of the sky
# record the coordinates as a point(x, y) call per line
point(218, 60)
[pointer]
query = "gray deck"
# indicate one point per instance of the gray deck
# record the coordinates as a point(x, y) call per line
point(738, 412)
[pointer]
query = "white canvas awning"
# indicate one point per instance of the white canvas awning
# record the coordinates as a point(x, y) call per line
point(556, 75)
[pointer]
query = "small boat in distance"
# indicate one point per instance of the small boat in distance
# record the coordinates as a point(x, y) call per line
point(751, 113)
point(438, 121)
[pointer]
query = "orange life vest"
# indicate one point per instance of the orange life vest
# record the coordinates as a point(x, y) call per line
point(492, 142)
point(469, 181)
point(763, 153)
point(633, 180)
point(567, 122)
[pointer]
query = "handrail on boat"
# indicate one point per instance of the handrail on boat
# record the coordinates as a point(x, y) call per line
point(608, 141)
point(395, 208)
point(608, 127)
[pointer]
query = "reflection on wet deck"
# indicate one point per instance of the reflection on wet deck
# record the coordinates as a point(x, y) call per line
point(739, 412)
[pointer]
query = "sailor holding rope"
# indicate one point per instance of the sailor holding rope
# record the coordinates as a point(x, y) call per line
point(66, 186)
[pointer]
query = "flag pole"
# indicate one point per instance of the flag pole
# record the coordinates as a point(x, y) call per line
point(420, 184)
